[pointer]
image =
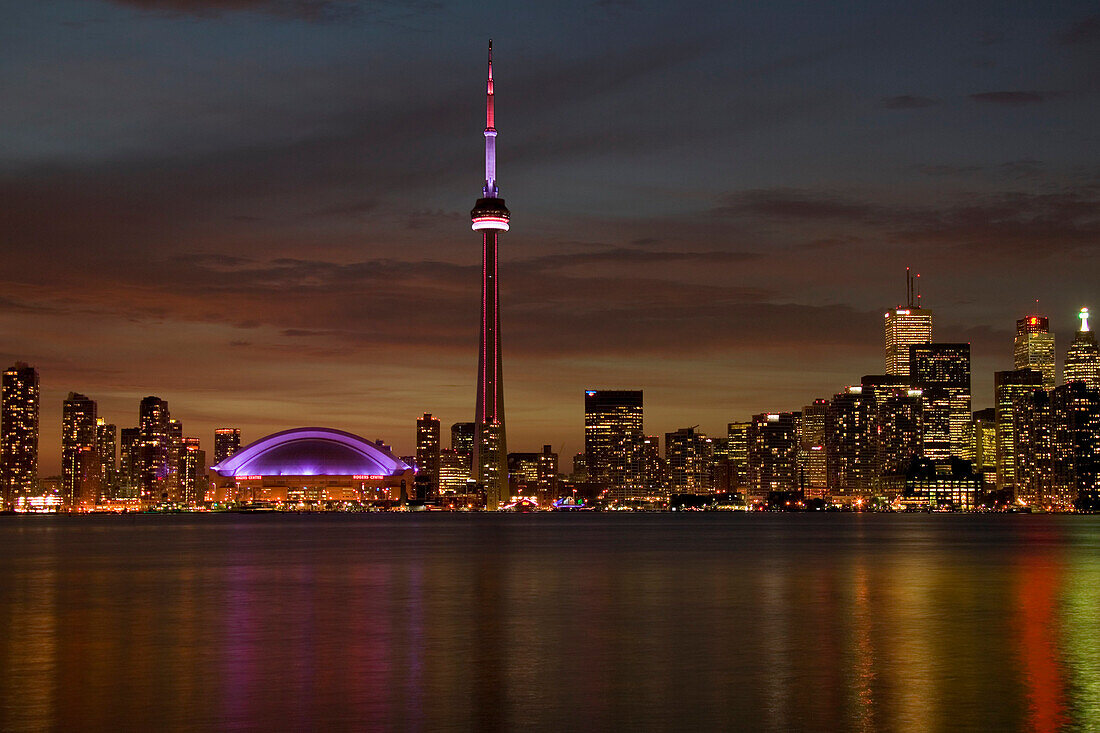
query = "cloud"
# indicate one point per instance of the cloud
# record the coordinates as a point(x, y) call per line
point(1083, 31)
point(1014, 99)
point(312, 10)
point(907, 101)
point(787, 203)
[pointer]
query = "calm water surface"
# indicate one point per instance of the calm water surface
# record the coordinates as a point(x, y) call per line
point(550, 622)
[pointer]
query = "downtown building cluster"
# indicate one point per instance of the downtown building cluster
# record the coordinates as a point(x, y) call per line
point(102, 468)
point(906, 438)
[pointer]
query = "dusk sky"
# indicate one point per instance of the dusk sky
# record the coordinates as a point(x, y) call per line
point(259, 210)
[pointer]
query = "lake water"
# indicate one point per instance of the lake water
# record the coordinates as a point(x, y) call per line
point(550, 622)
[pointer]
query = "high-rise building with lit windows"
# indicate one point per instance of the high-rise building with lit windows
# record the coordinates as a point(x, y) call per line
point(1033, 445)
point(106, 448)
point(614, 440)
point(1076, 414)
point(19, 433)
point(427, 451)
point(906, 325)
point(227, 441)
point(985, 445)
point(1034, 347)
point(773, 452)
point(1083, 356)
point(689, 454)
point(153, 450)
point(1007, 387)
point(850, 442)
point(192, 472)
point(947, 366)
point(78, 436)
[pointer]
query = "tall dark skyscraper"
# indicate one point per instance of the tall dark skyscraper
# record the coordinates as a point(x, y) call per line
point(1007, 389)
point(227, 441)
point(462, 443)
point(947, 366)
point(78, 436)
point(154, 447)
point(490, 217)
point(106, 448)
point(19, 433)
point(613, 440)
point(428, 450)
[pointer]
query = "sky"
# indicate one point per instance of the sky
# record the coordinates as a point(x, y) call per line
point(258, 210)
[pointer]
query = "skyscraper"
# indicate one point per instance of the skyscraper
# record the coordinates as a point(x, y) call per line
point(985, 446)
point(613, 440)
point(129, 464)
point(1083, 356)
point(427, 451)
point(78, 433)
point(1076, 413)
point(192, 472)
point(1034, 347)
point(19, 433)
point(106, 450)
point(850, 442)
point(462, 442)
point(773, 452)
point(947, 366)
point(153, 450)
point(905, 326)
point(1007, 387)
point(1033, 445)
point(689, 454)
point(227, 441)
point(490, 216)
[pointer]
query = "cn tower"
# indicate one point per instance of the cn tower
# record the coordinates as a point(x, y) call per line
point(490, 216)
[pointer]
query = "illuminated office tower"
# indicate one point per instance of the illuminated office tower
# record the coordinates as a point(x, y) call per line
point(899, 430)
point(454, 472)
point(19, 433)
point(175, 457)
point(1083, 356)
point(548, 472)
point(106, 449)
point(906, 325)
point(490, 217)
point(1076, 413)
point(773, 452)
point(689, 455)
point(935, 423)
point(427, 450)
point(947, 366)
point(985, 445)
point(1033, 445)
point(78, 433)
point(1007, 386)
point(850, 442)
point(737, 436)
point(812, 460)
point(227, 441)
point(462, 442)
point(1034, 348)
point(613, 440)
point(129, 464)
point(654, 468)
point(153, 450)
point(192, 472)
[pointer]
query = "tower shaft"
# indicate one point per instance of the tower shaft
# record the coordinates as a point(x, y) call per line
point(490, 216)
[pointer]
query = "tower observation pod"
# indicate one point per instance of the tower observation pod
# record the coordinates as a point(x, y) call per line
point(489, 216)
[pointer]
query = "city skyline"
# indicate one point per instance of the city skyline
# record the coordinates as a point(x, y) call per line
point(243, 265)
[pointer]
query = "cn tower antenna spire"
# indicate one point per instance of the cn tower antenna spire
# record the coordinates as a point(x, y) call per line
point(490, 188)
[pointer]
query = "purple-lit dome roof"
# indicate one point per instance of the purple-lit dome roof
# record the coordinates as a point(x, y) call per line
point(311, 452)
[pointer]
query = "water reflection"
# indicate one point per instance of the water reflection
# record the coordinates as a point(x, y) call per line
point(496, 623)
